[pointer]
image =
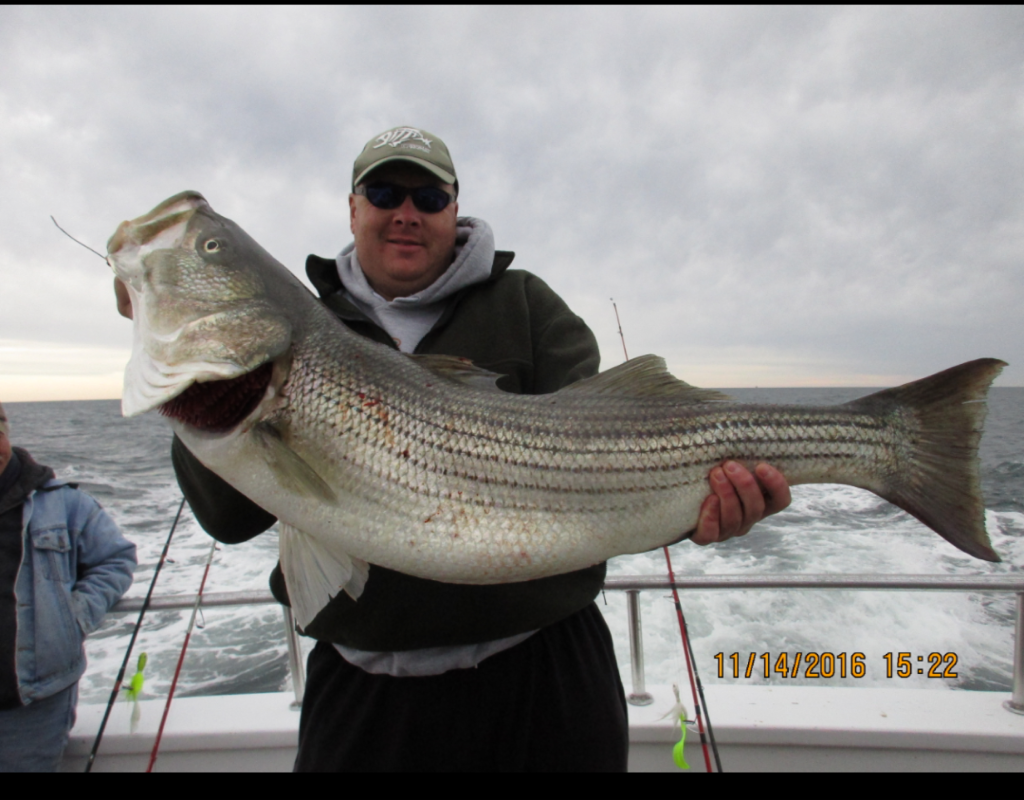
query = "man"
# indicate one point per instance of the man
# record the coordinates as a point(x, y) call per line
point(63, 564)
point(418, 674)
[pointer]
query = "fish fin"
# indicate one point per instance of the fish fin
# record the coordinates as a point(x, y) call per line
point(314, 573)
point(459, 370)
point(938, 479)
point(294, 474)
point(645, 377)
point(360, 574)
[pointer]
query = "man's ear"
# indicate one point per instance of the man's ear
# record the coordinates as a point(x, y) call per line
point(352, 213)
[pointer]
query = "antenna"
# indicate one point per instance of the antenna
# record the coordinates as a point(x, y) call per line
point(619, 323)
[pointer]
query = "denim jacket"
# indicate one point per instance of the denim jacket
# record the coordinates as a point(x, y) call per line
point(75, 566)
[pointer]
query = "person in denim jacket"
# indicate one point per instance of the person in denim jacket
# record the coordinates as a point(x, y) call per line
point(63, 564)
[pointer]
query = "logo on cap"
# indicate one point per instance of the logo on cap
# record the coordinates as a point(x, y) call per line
point(402, 135)
point(405, 143)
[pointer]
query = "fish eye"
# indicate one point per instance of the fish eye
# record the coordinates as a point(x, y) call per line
point(211, 246)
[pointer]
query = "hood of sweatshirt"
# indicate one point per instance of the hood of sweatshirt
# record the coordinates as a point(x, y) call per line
point(409, 319)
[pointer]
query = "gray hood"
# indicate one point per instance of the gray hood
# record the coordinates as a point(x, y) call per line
point(409, 319)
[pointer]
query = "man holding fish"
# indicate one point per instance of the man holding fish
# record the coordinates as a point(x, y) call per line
point(424, 675)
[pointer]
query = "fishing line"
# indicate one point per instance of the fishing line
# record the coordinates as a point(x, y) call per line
point(72, 238)
point(135, 633)
point(181, 658)
point(700, 706)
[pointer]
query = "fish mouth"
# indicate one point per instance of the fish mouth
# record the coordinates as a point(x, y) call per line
point(219, 406)
point(162, 222)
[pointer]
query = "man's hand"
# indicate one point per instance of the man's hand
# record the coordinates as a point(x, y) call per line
point(124, 300)
point(739, 500)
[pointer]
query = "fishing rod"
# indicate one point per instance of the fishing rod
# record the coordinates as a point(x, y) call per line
point(701, 710)
point(696, 687)
point(131, 644)
point(181, 658)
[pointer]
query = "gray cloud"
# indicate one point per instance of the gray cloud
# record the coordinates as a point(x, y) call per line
point(787, 192)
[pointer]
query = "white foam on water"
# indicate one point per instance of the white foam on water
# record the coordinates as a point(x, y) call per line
point(232, 648)
point(837, 530)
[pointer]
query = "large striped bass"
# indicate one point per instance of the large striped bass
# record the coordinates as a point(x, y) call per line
point(420, 464)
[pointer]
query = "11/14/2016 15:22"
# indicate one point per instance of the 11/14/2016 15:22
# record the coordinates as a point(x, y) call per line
point(829, 665)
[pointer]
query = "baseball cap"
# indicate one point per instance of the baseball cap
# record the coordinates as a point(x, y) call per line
point(405, 143)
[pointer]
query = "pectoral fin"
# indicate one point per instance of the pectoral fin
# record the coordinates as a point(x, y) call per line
point(293, 473)
point(459, 370)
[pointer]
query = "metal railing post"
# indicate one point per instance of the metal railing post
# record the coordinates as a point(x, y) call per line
point(1016, 701)
point(639, 696)
point(295, 665)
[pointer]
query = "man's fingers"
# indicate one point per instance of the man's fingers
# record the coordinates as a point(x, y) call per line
point(750, 495)
point(775, 486)
point(708, 521)
point(739, 500)
point(731, 509)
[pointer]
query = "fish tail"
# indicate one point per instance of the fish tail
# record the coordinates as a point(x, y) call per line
point(937, 474)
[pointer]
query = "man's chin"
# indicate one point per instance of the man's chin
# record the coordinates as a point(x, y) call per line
point(406, 262)
point(407, 277)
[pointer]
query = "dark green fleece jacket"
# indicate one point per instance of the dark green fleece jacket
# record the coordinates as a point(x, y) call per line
point(512, 324)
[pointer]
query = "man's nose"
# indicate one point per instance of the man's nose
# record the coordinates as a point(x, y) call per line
point(407, 213)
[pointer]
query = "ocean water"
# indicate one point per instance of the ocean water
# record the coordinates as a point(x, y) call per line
point(125, 464)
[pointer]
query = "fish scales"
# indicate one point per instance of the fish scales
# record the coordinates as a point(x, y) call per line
point(369, 456)
point(619, 461)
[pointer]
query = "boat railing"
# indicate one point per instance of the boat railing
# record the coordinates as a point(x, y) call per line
point(632, 585)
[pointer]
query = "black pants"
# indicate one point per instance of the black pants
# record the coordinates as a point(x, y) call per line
point(551, 703)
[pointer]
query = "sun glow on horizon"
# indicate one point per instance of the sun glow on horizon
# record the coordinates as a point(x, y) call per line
point(48, 371)
point(43, 371)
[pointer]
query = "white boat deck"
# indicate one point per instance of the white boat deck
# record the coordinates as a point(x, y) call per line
point(757, 729)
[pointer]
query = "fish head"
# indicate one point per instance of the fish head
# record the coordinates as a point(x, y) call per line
point(209, 305)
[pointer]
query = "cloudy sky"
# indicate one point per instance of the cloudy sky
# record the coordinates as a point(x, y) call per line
point(774, 197)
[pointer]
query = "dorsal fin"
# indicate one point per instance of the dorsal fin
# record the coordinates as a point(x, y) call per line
point(459, 370)
point(645, 377)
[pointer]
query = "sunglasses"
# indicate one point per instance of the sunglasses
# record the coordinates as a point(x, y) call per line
point(428, 199)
